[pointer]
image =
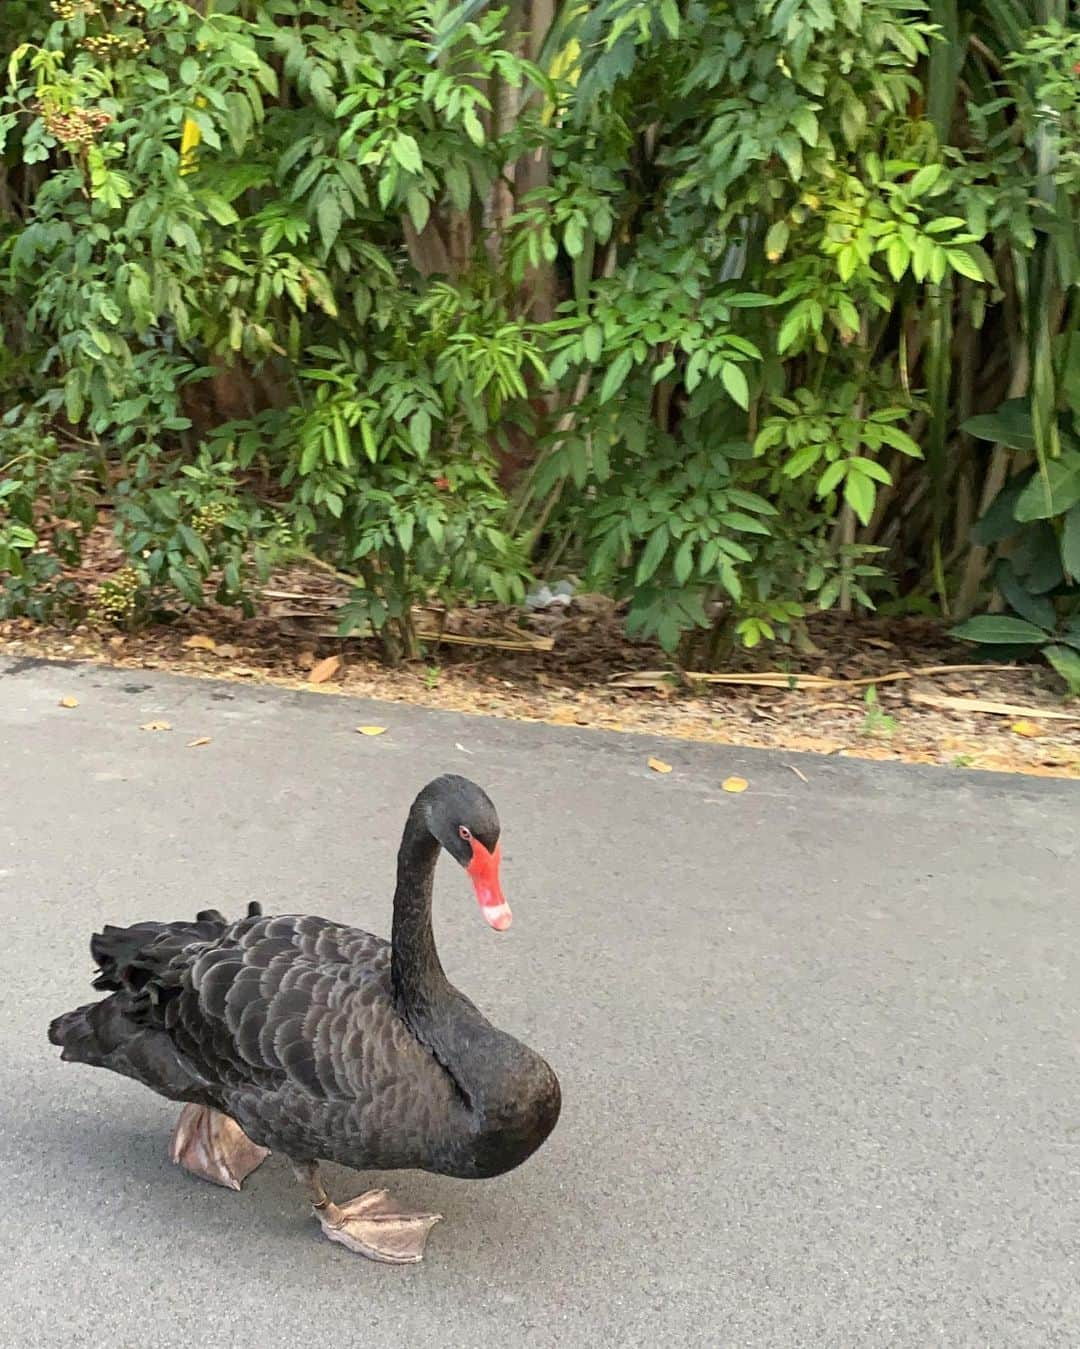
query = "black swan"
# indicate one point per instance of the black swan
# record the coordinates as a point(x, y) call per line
point(322, 1042)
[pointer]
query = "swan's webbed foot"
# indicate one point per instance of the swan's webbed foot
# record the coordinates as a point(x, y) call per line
point(370, 1224)
point(214, 1147)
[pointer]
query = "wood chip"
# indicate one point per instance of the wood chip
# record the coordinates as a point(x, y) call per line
point(734, 784)
point(659, 766)
point(200, 643)
point(943, 700)
point(202, 740)
point(69, 702)
point(370, 730)
point(324, 670)
point(155, 726)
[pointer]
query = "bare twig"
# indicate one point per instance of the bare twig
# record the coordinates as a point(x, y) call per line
point(942, 700)
point(781, 679)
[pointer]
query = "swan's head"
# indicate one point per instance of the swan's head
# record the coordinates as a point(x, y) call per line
point(462, 818)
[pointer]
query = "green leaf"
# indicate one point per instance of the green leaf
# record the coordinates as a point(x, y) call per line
point(684, 561)
point(729, 579)
point(961, 261)
point(1070, 543)
point(897, 255)
point(218, 208)
point(592, 342)
point(1066, 662)
point(830, 479)
point(420, 432)
point(750, 501)
point(474, 128)
point(746, 524)
point(1037, 558)
point(734, 381)
point(859, 493)
point(653, 555)
point(419, 209)
point(1000, 630)
point(1009, 425)
point(924, 180)
point(802, 460)
point(194, 544)
point(998, 521)
point(1035, 609)
point(1052, 495)
point(805, 123)
point(407, 153)
point(616, 375)
point(776, 241)
point(328, 217)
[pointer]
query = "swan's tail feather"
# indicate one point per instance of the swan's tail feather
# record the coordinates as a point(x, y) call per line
point(127, 957)
point(119, 1032)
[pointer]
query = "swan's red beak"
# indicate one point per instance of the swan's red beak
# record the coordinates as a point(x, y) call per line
point(484, 872)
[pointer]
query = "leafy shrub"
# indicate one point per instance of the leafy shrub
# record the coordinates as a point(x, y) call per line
point(699, 301)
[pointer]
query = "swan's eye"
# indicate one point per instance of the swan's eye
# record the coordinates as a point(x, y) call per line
point(464, 832)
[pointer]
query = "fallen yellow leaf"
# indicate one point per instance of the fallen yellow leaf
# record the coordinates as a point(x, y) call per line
point(1031, 729)
point(155, 726)
point(201, 643)
point(69, 702)
point(371, 730)
point(326, 669)
point(734, 784)
point(659, 766)
point(202, 740)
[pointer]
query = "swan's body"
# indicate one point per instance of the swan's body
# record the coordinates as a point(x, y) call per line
point(322, 1041)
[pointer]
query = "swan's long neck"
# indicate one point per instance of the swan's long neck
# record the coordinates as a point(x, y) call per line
point(416, 973)
point(470, 1049)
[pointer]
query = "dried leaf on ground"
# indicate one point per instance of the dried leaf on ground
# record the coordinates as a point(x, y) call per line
point(227, 651)
point(156, 726)
point(734, 784)
point(202, 740)
point(659, 766)
point(69, 702)
point(371, 730)
point(324, 670)
point(200, 642)
point(1031, 729)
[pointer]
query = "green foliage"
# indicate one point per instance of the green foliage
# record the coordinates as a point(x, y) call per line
point(201, 220)
point(34, 544)
point(695, 300)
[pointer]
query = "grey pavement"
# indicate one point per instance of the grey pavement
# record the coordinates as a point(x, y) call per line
point(818, 1042)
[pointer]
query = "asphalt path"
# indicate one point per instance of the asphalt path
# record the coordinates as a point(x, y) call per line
point(818, 1042)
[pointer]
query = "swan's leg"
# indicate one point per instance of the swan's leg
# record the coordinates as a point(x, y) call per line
point(213, 1146)
point(369, 1224)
